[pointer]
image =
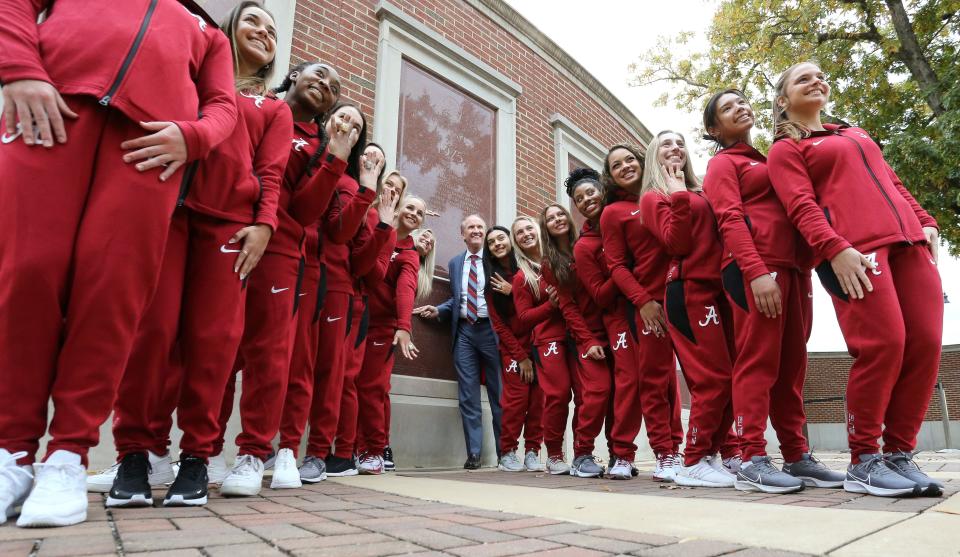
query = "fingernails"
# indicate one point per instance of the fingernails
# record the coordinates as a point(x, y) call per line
point(243, 276)
point(232, 241)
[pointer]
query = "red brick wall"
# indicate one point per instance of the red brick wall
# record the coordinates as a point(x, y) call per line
point(827, 378)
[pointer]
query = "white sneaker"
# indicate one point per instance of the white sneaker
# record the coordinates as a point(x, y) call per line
point(702, 474)
point(217, 469)
point(161, 473)
point(621, 470)
point(15, 483)
point(285, 473)
point(371, 465)
point(556, 466)
point(719, 465)
point(664, 470)
point(59, 496)
point(245, 479)
point(531, 461)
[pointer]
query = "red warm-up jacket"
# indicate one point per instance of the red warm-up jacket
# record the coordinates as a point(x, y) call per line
point(371, 248)
point(839, 192)
point(346, 214)
point(154, 60)
point(391, 301)
point(293, 237)
point(597, 293)
point(513, 335)
point(571, 303)
point(684, 224)
point(753, 224)
point(637, 261)
point(536, 312)
point(240, 179)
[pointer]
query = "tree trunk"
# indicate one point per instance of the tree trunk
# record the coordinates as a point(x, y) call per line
point(912, 56)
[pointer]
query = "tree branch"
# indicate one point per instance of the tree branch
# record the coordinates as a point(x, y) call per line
point(911, 54)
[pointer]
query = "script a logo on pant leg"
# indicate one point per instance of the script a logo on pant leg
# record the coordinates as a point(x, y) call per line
point(621, 341)
point(711, 317)
point(872, 258)
point(512, 368)
point(551, 349)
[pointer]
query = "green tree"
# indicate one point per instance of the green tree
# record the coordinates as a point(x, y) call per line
point(893, 67)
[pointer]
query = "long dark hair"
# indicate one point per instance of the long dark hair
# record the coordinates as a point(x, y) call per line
point(610, 187)
point(710, 113)
point(501, 302)
point(258, 81)
point(353, 161)
point(560, 262)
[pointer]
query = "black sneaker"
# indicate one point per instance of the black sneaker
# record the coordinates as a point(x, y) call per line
point(190, 487)
point(131, 486)
point(388, 463)
point(339, 467)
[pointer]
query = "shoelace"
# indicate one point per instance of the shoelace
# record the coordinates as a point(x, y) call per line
point(903, 461)
point(245, 465)
point(621, 462)
point(764, 466)
point(665, 461)
point(8, 466)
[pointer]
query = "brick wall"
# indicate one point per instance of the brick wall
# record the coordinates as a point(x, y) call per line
point(827, 379)
point(346, 34)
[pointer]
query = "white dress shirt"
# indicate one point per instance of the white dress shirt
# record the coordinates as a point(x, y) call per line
point(464, 286)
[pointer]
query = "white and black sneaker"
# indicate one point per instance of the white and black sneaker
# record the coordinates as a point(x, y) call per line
point(585, 466)
point(313, 470)
point(339, 467)
point(388, 463)
point(875, 477)
point(131, 483)
point(190, 487)
point(902, 463)
point(759, 474)
point(620, 469)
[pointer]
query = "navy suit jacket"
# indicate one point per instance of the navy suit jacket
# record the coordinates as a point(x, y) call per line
point(450, 310)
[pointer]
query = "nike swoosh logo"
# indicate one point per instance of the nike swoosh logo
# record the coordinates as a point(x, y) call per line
point(815, 143)
point(302, 294)
point(634, 213)
point(754, 164)
point(332, 319)
point(379, 343)
point(809, 294)
point(774, 275)
point(223, 249)
point(10, 138)
point(583, 356)
point(275, 290)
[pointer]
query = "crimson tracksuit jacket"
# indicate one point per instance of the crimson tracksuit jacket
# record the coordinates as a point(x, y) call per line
point(391, 301)
point(513, 334)
point(126, 61)
point(344, 217)
point(594, 278)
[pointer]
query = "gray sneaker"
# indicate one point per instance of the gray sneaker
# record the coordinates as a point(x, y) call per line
point(875, 477)
point(585, 466)
point(532, 462)
point(813, 472)
point(902, 463)
point(510, 462)
point(313, 470)
point(759, 474)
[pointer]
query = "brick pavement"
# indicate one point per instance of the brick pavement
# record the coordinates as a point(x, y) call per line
point(342, 521)
point(642, 485)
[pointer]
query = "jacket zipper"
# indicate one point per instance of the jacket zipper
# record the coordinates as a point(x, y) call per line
point(876, 182)
point(188, 175)
point(125, 67)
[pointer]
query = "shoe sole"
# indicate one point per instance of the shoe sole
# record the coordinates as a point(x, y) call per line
point(668, 479)
point(314, 480)
point(47, 521)
point(558, 472)
point(285, 485)
point(533, 469)
point(578, 474)
point(370, 472)
point(139, 500)
point(179, 501)
point(691, 482)
point(505, 469)
point(810, 481)
point(351, 472)
point(240, 490)
point(610, 476)
point(741, 485)
point(859, 487)
point(99, 488)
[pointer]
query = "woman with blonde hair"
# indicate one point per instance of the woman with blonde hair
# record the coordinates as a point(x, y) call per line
point(698, 315)
point(426, 243)
point(854, 212)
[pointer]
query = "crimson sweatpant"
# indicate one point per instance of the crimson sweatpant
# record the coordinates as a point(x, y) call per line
point(769, 370)
point(324, 406)
point(593, 377)
point(659, 393)
point(700, 325)
point(894, 335)
point(555, 370)
point(346, 437)
point(302, 362)
point(200, 311)
point(522, 405)
point(81, 243)
point(373, 389)
point(272, 307)
point(627, 410)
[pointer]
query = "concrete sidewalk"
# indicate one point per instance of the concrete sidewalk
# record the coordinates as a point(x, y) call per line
point(490, 513)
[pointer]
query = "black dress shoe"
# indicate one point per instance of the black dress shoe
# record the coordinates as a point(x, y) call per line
point(472, 463)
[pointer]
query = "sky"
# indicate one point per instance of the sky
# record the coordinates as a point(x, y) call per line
point(611, 34)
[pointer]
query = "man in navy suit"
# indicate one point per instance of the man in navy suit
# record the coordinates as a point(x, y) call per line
point(474, 342)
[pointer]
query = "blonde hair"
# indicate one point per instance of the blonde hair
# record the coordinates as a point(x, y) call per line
point(407, 199)
point(783, 126)
point(427, 265)
point(258, 82)
point(530, 268)
point(653, 178)
point(403, 184)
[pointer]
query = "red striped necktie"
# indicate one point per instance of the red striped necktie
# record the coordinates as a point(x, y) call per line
point(472, 291)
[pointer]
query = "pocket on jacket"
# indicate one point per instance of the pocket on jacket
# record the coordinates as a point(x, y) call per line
point(677, 310)
point(732, 278)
